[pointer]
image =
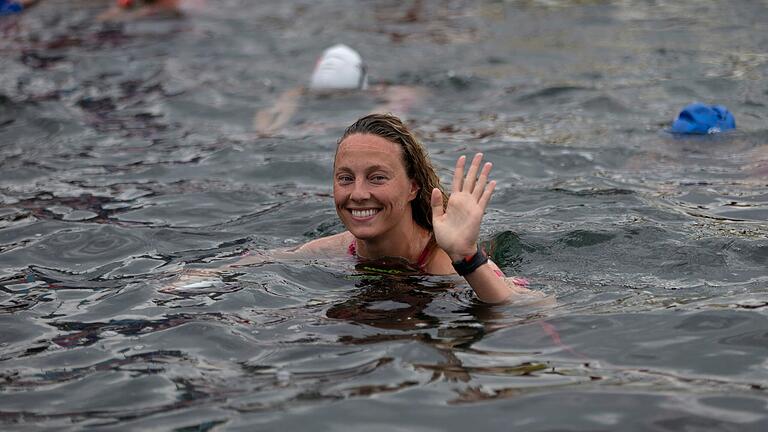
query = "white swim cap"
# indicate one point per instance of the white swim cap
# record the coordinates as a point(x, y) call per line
point(339, 68)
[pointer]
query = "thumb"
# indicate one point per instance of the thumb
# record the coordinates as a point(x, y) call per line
point(437, 203)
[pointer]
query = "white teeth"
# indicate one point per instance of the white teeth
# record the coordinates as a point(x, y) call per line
point(364, 213)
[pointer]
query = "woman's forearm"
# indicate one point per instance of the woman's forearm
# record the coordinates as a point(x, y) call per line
point(489, 284)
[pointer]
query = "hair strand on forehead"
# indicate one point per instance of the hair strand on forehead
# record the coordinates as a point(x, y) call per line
point(417, 163)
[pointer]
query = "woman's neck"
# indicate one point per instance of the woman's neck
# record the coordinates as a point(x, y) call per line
point(407, 243)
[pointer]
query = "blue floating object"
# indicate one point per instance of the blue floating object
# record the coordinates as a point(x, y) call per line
point(10, 7)
point(698, 118)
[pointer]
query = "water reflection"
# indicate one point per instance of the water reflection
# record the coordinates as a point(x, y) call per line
point(389, 295)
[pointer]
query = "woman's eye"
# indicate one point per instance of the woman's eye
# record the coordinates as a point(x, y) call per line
point(345, 179)
point(378, 179)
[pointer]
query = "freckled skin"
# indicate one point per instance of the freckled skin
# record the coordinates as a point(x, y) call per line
point(369, 174)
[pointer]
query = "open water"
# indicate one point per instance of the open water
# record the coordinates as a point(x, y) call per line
point(127, 150)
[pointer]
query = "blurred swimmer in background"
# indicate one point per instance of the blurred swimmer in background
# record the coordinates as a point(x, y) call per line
point(132, 9)
point(339, 70)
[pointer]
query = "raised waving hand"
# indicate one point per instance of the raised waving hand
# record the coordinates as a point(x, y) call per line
point(457, 227)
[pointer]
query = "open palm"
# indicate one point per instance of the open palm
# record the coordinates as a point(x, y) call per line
point(457, 227)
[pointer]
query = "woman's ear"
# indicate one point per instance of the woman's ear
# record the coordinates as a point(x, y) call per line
point(414, 190)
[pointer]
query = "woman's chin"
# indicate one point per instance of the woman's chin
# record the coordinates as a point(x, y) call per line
point(362, 233)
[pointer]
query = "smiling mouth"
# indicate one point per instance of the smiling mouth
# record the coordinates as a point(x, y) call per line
point(362, 214)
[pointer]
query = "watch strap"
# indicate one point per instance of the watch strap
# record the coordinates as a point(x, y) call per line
point(470, 263)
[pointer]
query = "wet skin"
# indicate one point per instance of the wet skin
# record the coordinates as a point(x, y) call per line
point(371, 190)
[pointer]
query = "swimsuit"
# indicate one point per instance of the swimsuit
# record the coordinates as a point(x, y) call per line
point(421, 263)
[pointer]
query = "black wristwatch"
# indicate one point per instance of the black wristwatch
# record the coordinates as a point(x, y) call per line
point(469, 264)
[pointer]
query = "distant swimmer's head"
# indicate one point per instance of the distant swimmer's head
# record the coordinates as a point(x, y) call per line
point(698, 118)
point(339, 68)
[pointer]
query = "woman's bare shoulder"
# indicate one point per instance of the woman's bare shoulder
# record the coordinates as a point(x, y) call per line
point(331, 246)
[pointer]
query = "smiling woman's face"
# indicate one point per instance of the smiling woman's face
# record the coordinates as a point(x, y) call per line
point(371, 189)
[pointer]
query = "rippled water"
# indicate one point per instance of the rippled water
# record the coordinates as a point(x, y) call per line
point(128, 149)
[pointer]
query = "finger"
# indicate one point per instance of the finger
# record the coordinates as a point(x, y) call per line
point(469, 182)
point(482, 180)
point(458, 174)
point(437, 203)
point(486, 197)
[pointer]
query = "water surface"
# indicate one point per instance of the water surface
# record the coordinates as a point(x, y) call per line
point(128, 149)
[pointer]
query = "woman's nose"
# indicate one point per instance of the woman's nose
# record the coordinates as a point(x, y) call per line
point(360, 191)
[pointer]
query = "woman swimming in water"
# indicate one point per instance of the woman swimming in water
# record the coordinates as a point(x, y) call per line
point(388, 196)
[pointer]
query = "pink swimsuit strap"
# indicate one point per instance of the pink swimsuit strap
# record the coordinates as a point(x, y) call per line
point(421, 263)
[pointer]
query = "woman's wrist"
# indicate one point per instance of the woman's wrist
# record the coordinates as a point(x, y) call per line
point(460, 255)
point(469, 263)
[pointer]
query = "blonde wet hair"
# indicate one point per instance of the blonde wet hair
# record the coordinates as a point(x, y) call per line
point(418, 166)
